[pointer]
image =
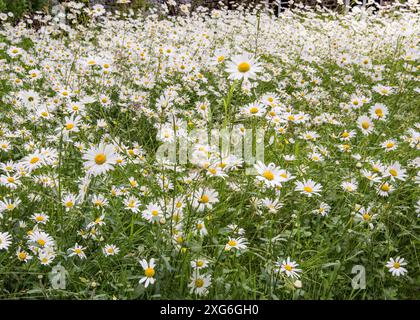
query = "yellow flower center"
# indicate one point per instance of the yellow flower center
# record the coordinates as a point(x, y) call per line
point(268, 175)
point(288, 267)
point(22, 255)
point(155, 213)
point(345, 134)
point(254, 110)
point(199, 283)
point(200, 263)
point(396, 265)
point(244, 67)
point(365, 125)
point(366, 216)
point(308, 189)
point(41, 242)
point(232, 243)
point(379, 113)
point(393, 172)
point(10, 179)
point(385, 187)
point(69, 126)
point(34, 160)
point(220, 58)
point(204, 198)
point(149, 272)
point(100, 159)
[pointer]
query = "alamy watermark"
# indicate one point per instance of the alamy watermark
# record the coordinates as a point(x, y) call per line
point(199, 146)
point(359, 280)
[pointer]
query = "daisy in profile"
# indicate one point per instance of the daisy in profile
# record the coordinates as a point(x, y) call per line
point(365, 124)
point(383, 90)
point(10, 181)
point(269, 174)
point(69, 201)
point(289, 268)
point(253, 110)
point(33, 161)
point(77, 250)
point(323, 209)
point(9, 204)
point(396, 267)
point(40, 218)
point(371, 176)
point(271, 205)
point(285, 176)
point(200, 228)
point(236, 243)
point(385, 189)
point(394, 171)
point(99, 201)
point(149, 272)
point(5, 240)
point(219, 57)
point(243, 67)
point(110, 250)
point(200, 283)
point(349, 186)
point(46, 256)
point(100, 159)
point(347, 135)
point(308, 187)
point(389, 145)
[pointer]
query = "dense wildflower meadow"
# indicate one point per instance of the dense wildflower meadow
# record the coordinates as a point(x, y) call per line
point(91, 208)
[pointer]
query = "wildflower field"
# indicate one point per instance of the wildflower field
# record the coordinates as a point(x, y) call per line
point(90, 208)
